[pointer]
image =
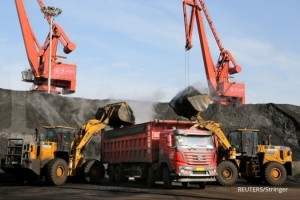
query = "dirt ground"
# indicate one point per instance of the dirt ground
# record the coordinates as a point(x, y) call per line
point(9, 189)
point(132, 190)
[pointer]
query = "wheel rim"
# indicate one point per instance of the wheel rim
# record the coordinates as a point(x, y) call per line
point(94, 172)
point(59, 171)
point(275, 173)
point(227, 173)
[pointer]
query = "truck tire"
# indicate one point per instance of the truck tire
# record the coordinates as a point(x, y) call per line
point(150, 177)
point(227, 173)
point(275, 174)
point(111, 173)
point(119, 176)
point(93, 171)
point(57, 171)
point(166, 178)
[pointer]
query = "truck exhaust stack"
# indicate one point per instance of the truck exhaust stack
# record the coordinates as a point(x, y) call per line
point(189, 102)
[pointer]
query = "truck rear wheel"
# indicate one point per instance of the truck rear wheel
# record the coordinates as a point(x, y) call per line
point(151, 177)
point(227, 173)
point(275, 174)
point(93, 171)
point(166, 178)
point(57, 171)
point(119, 176)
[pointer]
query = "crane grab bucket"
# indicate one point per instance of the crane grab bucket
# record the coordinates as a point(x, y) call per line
point(189, 102)
point(119, 114)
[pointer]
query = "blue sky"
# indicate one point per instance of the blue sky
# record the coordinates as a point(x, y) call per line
point(134, 49)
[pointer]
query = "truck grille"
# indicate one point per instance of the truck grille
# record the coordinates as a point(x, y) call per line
point(196, 158)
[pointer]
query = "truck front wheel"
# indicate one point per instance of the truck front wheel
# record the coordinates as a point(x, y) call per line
point(275, 174)
point(57, 171)
point(227, 173)
point(166, 178)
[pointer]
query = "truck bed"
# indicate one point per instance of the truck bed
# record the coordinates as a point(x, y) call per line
point(137, 143)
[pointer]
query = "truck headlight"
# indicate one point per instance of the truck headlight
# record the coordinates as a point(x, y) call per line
point(185, 171)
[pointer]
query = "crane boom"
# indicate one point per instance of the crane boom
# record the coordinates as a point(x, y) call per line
point(221, 88)
point(211, 25)
point(63, 75)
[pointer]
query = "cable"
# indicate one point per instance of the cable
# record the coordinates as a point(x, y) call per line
point(187, 69)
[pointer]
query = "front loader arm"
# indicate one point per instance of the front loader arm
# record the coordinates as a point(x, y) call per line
point(105, 116)
point(216, 129)
point(87, 132)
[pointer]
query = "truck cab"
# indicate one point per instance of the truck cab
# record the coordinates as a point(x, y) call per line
point(188, 156)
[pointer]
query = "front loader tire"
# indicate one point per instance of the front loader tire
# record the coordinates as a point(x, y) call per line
point(227, 173)
point(275, 174)
point(57, 171)
point(93, 171)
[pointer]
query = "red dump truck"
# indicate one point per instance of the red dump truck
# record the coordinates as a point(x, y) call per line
point(168, 151)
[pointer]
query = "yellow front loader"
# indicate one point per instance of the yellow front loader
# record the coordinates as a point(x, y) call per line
point(58, 152)
point(239, 154)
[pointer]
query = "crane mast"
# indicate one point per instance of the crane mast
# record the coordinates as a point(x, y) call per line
point(221, 89)
point(63, 75)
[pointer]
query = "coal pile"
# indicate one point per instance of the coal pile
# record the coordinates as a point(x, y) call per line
point(21, 112)
point(281, 121)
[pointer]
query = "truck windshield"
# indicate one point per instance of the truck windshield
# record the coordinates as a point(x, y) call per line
point(194, 141)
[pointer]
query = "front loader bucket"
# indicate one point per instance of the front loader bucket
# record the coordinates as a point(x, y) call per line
point(189, 102)
point(120, 114)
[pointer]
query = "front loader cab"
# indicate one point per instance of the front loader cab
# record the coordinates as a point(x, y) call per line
point(245, 141)
point(62, 135)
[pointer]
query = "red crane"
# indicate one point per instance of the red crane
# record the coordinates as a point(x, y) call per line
point(221, 89)
point(63, 75)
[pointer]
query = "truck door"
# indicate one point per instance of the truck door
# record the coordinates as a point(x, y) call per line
point(168, 149)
